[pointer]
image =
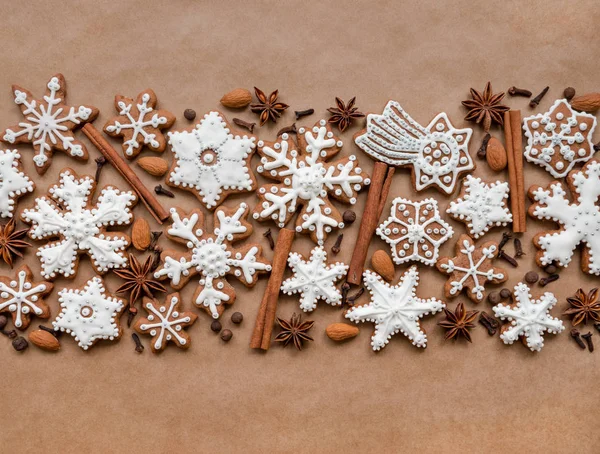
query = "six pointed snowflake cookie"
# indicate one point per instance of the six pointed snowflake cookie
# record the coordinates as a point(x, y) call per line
point(438, 153)
point(481, 205)
point(211, 161)
point(69, 214)
point(49, 123)
point(13, 182)
point(212, 256)
point(139, 123)
point(307, 180)
point(314, 279)
point(471, 269)
point(90, 314)
point(528, 318)
point(579, 221)
point(415, 231)
point(559, 138)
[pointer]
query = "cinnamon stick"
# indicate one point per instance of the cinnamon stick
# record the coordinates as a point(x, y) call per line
point(385, 190)
point(515, 162)
point(154, 207)
point(517, 145)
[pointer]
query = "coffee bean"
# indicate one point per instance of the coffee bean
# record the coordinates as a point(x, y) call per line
point(551, 269)
point(494, 297)
point(237, 317)
point(189, 114)
point(19, 343)
point(226, 335)
point(216, 326)
point(349, 217)
point(532, 277)
point(505, 293)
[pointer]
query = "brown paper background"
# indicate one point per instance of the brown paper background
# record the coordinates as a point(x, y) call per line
point(220, 397)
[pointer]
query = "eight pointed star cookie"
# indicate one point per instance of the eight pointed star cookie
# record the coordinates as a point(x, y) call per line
point(13, 182)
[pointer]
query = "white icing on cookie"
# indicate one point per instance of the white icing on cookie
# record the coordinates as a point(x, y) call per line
point(22, 298)
point(13, 182)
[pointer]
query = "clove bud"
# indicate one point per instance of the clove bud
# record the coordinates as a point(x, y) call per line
point(490, 323)
point(588, 341)
point(514, 91)
point(336, 247)
point(575, 335)
point(535, 101)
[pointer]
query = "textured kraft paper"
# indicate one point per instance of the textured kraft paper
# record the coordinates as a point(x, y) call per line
point(217, 397)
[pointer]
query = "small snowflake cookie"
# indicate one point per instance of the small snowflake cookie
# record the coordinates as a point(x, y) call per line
point(314, 279)
point(438, 154)
point(579, 221)
point(528, 318)
point(81, 226)
point(395, 308)
point(211, 161)
point(415, 231)
point(471, 269)
point(48, 123)
point(165, 323)
point(212, 256)
point(13, 182)
point(559, 138)
point(307, 181)
point(90, 314)
point(23, 298)
point(481, 206)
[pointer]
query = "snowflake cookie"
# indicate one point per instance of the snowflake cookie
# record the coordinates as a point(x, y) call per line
point(307, 180)
point(49, 123)
point(559, 138)
point(528, 318)
point(481, 205)
point(90, 314)
point(415, 231)
point(23, 298)
point(212, 256)
point(471, 269)
point(165, 323)
point(579, 221)
point(13, 182)
point(81, 226)
point(314, 279)
point(438, 153)
point(210, 161)
point(395, 308)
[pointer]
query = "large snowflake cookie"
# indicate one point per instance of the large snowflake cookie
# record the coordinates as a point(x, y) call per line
point(415, 231)
point(395, 308)
point(481, 206)
point(528, 318)
point(212, 256)
point(49, 123)
point(81, 226)
point(23, 298)
point(559, 138)
point(307, 180)
point(438, 153)
point(13, 182)
point(471, 269)
point(90, 314)
point(211, 161)
point(314, 279)
point(579, 221)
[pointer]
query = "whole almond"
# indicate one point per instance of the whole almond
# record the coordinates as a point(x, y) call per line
point(341, 331)
point(382, 264)
point(586, 103)
point(44, 340)
point(141, 236)
point(236, 99)
point(496, 155)
point(153, 165)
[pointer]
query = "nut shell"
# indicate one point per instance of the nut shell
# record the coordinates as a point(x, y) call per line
point(495, 155)
point(586, 103)
point(341, 331)
point(154, 166)
point(237, 99)
point(44, 340)
point(141, 236)
point(382, 264)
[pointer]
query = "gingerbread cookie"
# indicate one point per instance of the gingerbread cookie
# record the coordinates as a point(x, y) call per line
point(49, 123)
point(139, 123)
point(307, 181)
point(471, 269)
point(80, 225)
point(438, 154)
point(13, 182)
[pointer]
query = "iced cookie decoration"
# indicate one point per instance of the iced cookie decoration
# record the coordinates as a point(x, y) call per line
point(139, 123)
point(48, 123)
point(471, 269)
point(314, 279)
point(438, 153)
point(307, 180)
point(165, 323)
point(23, 298)
point(395, 308)
point(90, 314)
point(212, 256)
point(528, 318)
point(68, 213)
point(415, 231)
point(579, 221)
point(559, 139)
point(210, 161)
point(481, 205)
point(13, 182)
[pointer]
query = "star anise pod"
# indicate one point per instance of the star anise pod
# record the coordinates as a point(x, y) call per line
point(294, 330)
point(268, 108)
point(459, 322)
point(138, 280)
point(343, 114)
point(584, 307)
point(11, 241)
point(486, 107)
